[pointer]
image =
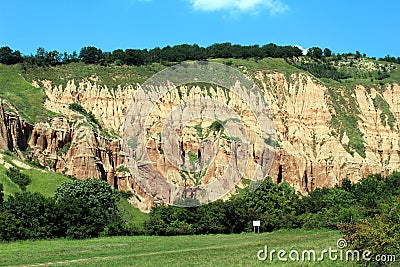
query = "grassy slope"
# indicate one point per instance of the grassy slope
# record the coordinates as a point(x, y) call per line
point(110, 76)
point(43, 182)
point(265, 64)
point(26, 98)
point(46, 182)
point(133, 216)
point(9, 188)
point(203, 250)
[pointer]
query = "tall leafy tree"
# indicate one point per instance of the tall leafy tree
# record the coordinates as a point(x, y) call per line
point(315, 52)
point(9, 57)
point(91, 55)
point(36, 214)
point(327, 52)
point(274, 204)
point(89, 208)
point(118, 57)
point(135, 57)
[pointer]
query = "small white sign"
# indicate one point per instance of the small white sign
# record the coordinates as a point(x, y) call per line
point(256, 223)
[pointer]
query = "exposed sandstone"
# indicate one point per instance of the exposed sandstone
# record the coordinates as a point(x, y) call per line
point(309, 154)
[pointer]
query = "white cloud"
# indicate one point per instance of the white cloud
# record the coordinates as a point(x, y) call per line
point(274, 6)
point(304, 50)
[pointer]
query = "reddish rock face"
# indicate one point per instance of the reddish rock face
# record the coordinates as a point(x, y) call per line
point(81, 152)
point(309, 155)
point(14, 132)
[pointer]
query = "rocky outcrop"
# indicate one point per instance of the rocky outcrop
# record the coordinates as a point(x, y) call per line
point(14, 132)
point(311, 154)
point(77, 150)
point(312, 151)
point(108, 104)
point(74, 149)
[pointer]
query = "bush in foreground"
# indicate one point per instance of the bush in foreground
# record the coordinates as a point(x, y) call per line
point(380, 235)
point(79, 209)
point(89, 208)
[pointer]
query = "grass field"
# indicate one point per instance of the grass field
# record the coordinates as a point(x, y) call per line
point(26, 98)
point(43, 182)
point(9, 188)
point(110, 76)
point(203, 250)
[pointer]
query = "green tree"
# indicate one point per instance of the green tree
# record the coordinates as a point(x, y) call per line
point(222, 50)
point(314, 52)
point(212, 219)
point(9, 57)
point(327, 52)
point(37, 59)
point(89, 208)
point(118, 57)
point(91, 55)
point(37, 214)
point(53, 58)
point(135, 57)
point(369, 191)
point(274, 204)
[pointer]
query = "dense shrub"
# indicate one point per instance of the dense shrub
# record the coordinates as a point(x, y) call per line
point(11, 227)
point(88, 114)
point(88, 208)
point(21, 179)
point(321, 70)
point(380, 235)
point(37, 215)
point(80, 209)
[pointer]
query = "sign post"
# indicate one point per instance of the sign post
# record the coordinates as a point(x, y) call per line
point(256, 224)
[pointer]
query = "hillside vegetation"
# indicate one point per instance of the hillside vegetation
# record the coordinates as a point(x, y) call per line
point(353, 207)
point(42, 181)
point(340, 72)
point(27, 99)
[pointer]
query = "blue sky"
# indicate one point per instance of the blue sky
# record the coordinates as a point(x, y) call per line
point(372, 27)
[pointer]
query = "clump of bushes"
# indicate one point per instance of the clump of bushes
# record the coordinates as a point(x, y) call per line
point(21, 179)
point(80, 209)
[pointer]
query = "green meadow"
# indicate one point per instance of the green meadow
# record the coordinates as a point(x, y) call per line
point(199, 250)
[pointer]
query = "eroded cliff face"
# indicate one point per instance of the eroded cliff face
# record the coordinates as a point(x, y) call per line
point(14, 132)
point(315, 149)
point(108, 104)
point(76, 149)
point(312, 154)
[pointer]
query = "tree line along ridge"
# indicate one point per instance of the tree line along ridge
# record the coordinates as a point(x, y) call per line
point(177, 53)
